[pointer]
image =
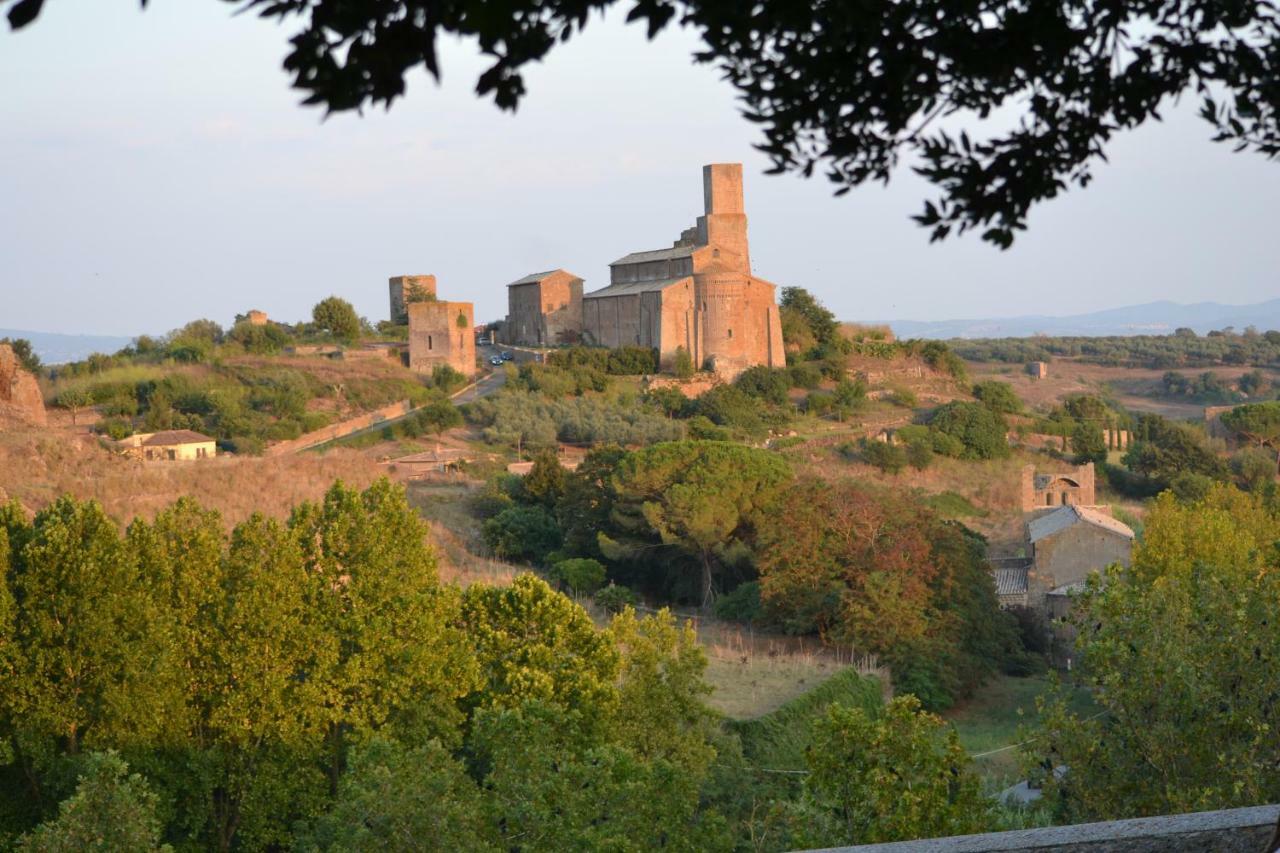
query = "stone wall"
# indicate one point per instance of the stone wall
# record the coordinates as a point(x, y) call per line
point(442, 333)
point(1069, 555)
point(1247, 830)
point(20, 395)
point(1071, 486)
point(341, 429)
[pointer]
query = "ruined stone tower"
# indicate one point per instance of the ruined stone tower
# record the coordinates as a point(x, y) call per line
point(440, 332)
point(699, 295)
point(403, 288)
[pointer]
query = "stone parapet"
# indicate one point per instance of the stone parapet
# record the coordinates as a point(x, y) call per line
point(1247, 830)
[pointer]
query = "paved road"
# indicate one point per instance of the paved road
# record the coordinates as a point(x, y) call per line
point(486, 385)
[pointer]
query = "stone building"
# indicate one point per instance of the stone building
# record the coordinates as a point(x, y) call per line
point(404, 289)
point(1068, 488)
point(442, 333)
point(257, 318)
point(173, 445)
point(699, 295)
point(1038, 369)
point(544, 308)
point(1069, 543)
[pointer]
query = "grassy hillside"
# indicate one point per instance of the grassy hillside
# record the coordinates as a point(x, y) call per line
point(778, 739)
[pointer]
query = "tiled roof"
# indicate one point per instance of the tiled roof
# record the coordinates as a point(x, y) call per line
point(631, 288)
point(1011, 581)
point(174, 436)
point(1066, 516)
point(656, 255)
point(533, 278)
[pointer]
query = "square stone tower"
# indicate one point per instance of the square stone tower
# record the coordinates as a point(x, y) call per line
point(442, 333)
point(403, 290)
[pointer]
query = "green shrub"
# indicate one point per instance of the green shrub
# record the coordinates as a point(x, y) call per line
point(919, 452)
point(682, 364)
point(805, 375)
point(742, 604)
point(582, 575)
point(114, 428)
point(998, 396)
point(980, 430)
point(765, 383)
point(522, 532)
point(887, 457)
point(447, 379)
point(614, 599)
point(700, 427)
point(438, 416)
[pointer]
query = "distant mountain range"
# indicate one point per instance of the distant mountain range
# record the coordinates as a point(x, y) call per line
point(54, 348)
point(1153, 318)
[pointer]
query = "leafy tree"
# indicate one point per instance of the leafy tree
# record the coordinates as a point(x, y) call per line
point(390, 617)
point(25, 353)
point(879, 570)
point(550, 788)
point(1163, 449)
point(701, 498)
point(111, 810)
point(1088, 443)
point(1257, 422)
point(682, 364)
point(919, 451)
point(439, 416)
point(661, 690)
point(730, 406)
point(980, 430)
point(522, 532)
point(94, 664)
point(544, 484)
point(807, 326)
point(614, 599)
point(998, 396)
point(889, 458)
point(769, 384)
point(896, 778)
point(534, 644)
point(73, 400)
point(337, 318)
point(1183, 659)
point(399, 798)
point(1254, 468)
point(849, 397)
point(582, 575)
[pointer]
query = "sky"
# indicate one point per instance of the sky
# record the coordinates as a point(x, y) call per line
point(157, 168)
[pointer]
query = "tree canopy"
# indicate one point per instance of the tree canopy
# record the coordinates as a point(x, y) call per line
point(856, 91)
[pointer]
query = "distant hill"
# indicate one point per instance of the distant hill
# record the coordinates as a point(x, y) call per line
point(54, 348)
point(1153, 318)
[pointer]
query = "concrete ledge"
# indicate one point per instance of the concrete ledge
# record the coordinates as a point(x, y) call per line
point(1247, 830)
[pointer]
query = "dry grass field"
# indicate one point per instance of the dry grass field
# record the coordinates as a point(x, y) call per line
point(37, 466)
point(1132, 387)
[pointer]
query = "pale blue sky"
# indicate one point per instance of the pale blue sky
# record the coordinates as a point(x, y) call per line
point(158, 168)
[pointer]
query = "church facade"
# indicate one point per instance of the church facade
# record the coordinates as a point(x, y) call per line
point(699, 295)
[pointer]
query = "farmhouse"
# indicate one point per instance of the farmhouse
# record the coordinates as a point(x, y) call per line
point(173, 445)
point(543, 309)
point(1067, 545)
point(698, 296)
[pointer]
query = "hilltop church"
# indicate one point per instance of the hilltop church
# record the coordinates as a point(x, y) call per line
point(699, 295)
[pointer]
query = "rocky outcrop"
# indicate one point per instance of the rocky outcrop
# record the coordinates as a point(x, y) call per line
point(19, 394)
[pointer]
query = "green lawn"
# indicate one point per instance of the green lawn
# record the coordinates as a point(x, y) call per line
point(990, 719)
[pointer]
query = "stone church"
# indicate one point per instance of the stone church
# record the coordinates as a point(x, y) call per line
point(699, 295)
